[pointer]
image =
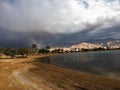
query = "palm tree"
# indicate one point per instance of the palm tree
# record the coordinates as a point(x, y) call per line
point(34, 46)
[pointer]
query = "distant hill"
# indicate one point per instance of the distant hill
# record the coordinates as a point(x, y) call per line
point(108, 42)
point(98, 43)
point(85, 45)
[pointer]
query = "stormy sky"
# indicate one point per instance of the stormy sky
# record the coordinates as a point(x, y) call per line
point(57, 22)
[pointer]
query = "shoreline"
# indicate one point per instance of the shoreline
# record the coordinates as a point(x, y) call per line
point(26, 74)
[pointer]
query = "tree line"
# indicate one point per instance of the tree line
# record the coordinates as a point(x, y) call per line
point(24, 52)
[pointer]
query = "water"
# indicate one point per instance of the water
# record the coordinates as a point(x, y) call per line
point(102, 62)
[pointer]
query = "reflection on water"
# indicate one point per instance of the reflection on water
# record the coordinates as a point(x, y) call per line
point(103, 62)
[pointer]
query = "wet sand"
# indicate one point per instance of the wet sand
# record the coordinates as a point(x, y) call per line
point(24, 74)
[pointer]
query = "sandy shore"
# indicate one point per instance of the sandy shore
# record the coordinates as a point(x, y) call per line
point(24, 74)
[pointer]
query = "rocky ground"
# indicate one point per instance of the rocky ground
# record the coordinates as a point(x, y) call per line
point(24, 74)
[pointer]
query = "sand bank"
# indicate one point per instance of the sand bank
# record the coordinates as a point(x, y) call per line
point(25, 74)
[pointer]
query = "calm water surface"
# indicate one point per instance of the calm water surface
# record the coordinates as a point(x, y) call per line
point(102, 62)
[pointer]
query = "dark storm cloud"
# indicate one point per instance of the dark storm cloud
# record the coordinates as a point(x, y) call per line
point(57, 22)
point(13, 39)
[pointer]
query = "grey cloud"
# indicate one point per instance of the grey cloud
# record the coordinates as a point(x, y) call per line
point(45, 15)
point(57, 22)
point(12, 39)
point(16, 39)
